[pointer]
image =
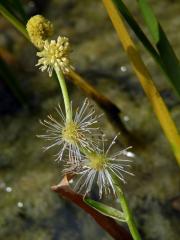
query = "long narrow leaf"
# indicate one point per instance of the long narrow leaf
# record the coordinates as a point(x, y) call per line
point(15, 7)
point(137, 30)
point(12, 82)
point(165, 56)
point(20, 9)
point(150, 19)
point(145, 79)
point(166, 52)
point(13, 20)
point(106, 210)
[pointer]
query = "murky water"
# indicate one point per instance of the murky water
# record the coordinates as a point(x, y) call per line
point(28, 209)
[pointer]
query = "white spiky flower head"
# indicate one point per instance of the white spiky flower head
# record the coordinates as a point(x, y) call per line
point(99, 168)
point(55, 54)
point(73, 135)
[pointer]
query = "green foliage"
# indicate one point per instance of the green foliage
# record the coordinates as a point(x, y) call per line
point(166, 52)
point(13, 20)
point(106, 210)
point(164, 55)
point(12, 82)
point(150, 20)
point(16, 8)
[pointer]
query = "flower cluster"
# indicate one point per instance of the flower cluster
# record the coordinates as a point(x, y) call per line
point(79, 142)
point(87, 157)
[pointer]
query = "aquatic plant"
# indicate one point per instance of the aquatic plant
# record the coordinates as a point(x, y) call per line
point(88, 161)
point(170, 67)
point(86, 158)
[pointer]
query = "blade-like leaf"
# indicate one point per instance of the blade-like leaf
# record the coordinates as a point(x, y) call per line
point(166, 52)
point(13, 20)
point(12, 82)
point(16, 8)
point(150, 19)
point(137, 30)
point(20, 9)
point(170, 61)
point(165, 56)
point(106, 210)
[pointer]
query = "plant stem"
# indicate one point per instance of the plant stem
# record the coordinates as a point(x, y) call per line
point(127, 212)
point(17, 24)
point(62, 83)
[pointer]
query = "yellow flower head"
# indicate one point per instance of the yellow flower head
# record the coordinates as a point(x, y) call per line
point(39, 29)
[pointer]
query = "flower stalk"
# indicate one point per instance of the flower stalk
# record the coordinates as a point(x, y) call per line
point(63, 86)
point(127, 212)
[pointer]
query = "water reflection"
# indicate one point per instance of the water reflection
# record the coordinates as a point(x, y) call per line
point(8, 189)
point(123, 68)
point(20, 204)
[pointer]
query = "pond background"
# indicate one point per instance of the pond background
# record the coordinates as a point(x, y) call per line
point(28, 208)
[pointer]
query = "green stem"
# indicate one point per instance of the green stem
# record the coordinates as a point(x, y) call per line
point(62, 83)
point(127, 212)
point(13, 20)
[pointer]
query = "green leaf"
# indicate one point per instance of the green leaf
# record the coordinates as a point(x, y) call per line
point(169, 59)
point(12, 82)
point(13, 20)
point(106, 210)
point(16, 8)
point(150, 19)
point(164, 55)
point(137, 30)
point(166, 52)
point(20, 9)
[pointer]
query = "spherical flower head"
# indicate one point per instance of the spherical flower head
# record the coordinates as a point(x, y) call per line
point(71, 136)
point(55, 54)
point(39, 29)
point(99, 168)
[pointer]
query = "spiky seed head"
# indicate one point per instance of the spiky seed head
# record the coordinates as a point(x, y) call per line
point(73, 135)
point(99, 167)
